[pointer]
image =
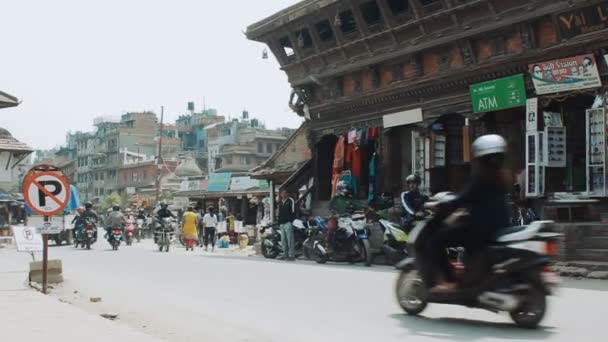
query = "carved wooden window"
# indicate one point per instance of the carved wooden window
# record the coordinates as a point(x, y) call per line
point(399, 7)
point(324, 31)
point(431, 5)
point(286, 46)
point(371, 13)
point(304, 39)
point(347, 22)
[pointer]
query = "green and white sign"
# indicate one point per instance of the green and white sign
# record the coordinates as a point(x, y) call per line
point(498, 94)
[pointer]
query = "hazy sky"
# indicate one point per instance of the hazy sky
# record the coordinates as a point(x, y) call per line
point(70, 61)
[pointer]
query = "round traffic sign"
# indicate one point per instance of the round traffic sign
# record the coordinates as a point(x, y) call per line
point(46, 193)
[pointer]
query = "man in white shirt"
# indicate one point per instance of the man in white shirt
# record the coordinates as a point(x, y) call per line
point(209, 226)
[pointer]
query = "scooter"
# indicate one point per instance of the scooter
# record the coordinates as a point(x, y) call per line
point(395, 242)
point(350, 242)
point(518, 281)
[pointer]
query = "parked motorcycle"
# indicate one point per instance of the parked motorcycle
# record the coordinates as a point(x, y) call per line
point(350, 242)
point(115, 237)
point(519, 281)
point(271, 242)
point(165, 233)
point(395, 242)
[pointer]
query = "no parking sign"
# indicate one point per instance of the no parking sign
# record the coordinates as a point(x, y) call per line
point(46, 190)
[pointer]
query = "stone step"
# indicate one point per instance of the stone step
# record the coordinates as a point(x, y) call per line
point(592, 254)
point(594, 243)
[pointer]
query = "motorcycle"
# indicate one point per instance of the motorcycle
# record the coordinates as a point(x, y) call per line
point(350, 242)
point(129, 233)
point(165, 234)
point(395, 242)
point(518, 283)
point(139, 229)
point(271, 242)
point(114, 238)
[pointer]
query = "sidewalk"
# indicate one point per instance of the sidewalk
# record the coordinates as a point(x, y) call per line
point(27, 315)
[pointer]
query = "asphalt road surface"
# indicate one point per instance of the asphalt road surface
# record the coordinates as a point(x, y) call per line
point(185, 296)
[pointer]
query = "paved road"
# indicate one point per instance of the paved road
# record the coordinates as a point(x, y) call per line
point(183, 296)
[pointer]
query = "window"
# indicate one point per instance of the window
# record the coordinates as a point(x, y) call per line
point(371, 13)
point(244, 160)
point(260, 147)
point(286, 46)
point(304, 39)
point(324, 30)
point(145, 175)
point(269, 148)
point(228, 160)
point(399, 6)
point(431, 5)
point(347, 22)
point(102, 176)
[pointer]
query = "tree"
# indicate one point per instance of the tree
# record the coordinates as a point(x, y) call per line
point(110, 201)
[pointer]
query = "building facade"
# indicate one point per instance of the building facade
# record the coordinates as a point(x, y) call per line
point(408, 85)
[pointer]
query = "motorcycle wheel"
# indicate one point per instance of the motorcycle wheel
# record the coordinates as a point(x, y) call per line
point(58, 241)
point(88, 242)
point(320, 254)
point(411, 293)
point(129, 241)
point(366, 253)
point(167, 247)
point(532, 309)
point(269, 252)
point(160, 247)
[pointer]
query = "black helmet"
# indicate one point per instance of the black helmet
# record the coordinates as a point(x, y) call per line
point(413, 179)
point(88, 205)
point(116, 208)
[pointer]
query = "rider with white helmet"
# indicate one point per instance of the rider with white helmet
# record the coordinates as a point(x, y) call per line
point(485, 198)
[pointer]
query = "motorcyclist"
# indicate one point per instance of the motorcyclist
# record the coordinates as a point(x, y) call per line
point(141, 214)
point(78, 222)
point(341, 204)
point(485, 199)
point(89, 216)
point(115, 220)
point(162, 213)
point(412, 202)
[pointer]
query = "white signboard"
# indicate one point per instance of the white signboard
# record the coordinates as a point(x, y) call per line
point(532, 114)
point(49, 228)
point(566, 74)
point(402, 118)
point(243, 183)
point(27, 239)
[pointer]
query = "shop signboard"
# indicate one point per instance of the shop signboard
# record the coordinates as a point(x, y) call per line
point(498, 94)
point(532, 114)
point(243, 183)
point(572, 73)
point(219, 182)
point(583, 20)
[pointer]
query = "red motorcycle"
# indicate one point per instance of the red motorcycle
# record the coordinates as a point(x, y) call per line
point(129, 232)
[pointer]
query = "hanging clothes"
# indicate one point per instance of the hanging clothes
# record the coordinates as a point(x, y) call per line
point(354, 157)
point(352, 135)
point(371, 194)
point(338, 164)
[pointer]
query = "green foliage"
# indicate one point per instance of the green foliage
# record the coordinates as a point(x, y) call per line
point(110, 201)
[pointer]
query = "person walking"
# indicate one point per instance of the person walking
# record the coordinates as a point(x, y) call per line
point(287, 213)
point(189, 228)
point(209, 226)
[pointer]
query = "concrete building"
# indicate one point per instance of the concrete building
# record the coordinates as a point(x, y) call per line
point(240, 145)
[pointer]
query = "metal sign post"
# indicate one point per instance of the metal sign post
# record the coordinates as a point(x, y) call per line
point(47, 192)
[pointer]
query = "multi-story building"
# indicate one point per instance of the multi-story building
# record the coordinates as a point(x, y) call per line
point(240, 145)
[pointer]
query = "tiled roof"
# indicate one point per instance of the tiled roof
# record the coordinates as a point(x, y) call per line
point(7, 100)
point(8, 143)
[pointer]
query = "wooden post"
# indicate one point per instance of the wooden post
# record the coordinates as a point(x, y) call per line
point(45, 259)
point(272, 195)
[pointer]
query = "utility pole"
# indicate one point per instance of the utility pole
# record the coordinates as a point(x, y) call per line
point(159, 158)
